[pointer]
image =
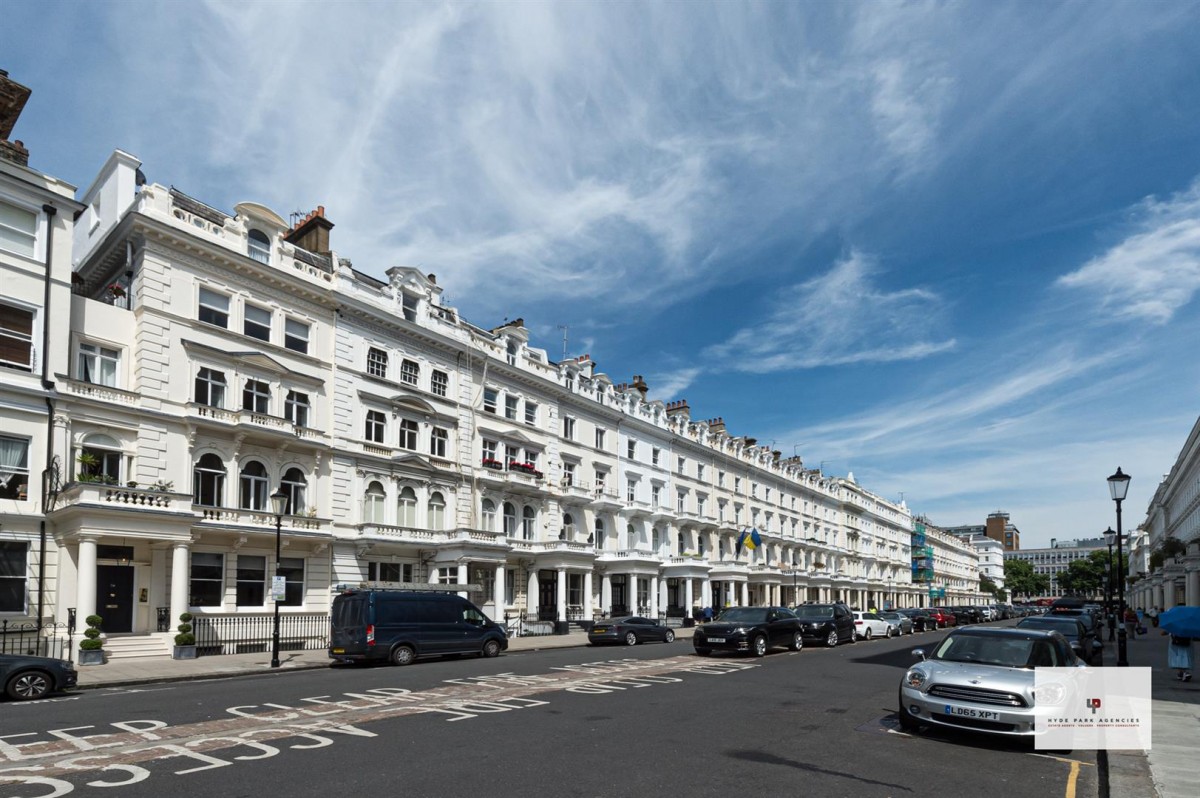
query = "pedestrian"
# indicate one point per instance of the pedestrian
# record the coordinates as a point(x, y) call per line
point(1180, 656)
point(1152, 614)
point(708, 614)
point(1131, 622)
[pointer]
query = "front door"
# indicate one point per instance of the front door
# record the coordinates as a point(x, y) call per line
point(548, 596)
point(619, 604)
point(114, 597)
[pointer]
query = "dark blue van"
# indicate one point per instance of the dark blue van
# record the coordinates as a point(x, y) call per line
point(375, 624)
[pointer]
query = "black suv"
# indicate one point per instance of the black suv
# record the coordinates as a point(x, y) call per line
point(829, 624)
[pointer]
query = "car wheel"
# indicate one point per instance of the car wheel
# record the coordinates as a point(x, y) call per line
point(832, 639)
point(759, 646)
point(867, 634)
point(491, 649)
point(403, 655)
point(29, 684)
point(630, 639)
point(704, 652)
point(669, 637)
point(797, 642)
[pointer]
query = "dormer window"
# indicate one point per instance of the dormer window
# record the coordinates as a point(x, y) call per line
point(259, 246)
point(513, 348)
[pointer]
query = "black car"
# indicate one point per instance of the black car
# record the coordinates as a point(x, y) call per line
point(828, 624)
point(922, 620)
point(629, 630)
point(1084, 641)
point(750, 629)
point(25, 677)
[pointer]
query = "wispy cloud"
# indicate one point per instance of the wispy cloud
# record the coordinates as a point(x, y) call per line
point(1153, 272)
point(839, 318)
point(668, 385)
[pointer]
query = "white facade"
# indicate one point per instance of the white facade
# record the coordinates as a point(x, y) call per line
point(991, 558)
point(1172, 515)
point(1057, 558)
point(946, 565)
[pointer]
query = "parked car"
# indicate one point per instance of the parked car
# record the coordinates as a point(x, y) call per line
point(987, 613)
point(898, 620)
point(869, 624)
point(828, 624)
point(982, 678)
point(749, 629)
point(1083, 639)
point(943, 617)
point(630, 631)
point(25, 677)
point(921, 619)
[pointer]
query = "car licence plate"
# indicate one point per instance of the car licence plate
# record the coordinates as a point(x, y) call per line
point(968, 712)
point(599, 630)
point(716, 640)
point(339, 651)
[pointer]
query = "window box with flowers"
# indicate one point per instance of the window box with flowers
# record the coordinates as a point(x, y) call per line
point(525, 468)
point(492, 463)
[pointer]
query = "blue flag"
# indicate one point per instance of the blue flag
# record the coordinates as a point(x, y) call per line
point(737, 552)
point(753, 541)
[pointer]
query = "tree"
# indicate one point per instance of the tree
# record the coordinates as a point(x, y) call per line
point(1022, 580)
point(986, 585)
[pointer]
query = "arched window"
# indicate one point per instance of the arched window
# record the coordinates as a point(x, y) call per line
point(658, 540)
point(630, 537)
point(252, 486)
point(528, 519)
point(489, 515)
point(373, 501)
point(407, 506)
point(208, 481)
point(680, 546)
point(259, 246)
point(510, 520)
point(437, 511)
point(568, 527)
point(599, 533)
point(700, 544)
point(295, 486)
point(100, 460)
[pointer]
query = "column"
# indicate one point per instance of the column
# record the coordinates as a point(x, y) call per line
point(588, 615)
point(433, 575)
point(606, 593)
point(498, 593)
point(706, 599)
point(85, 600)
point(654, 596)
point(745, 602)
point(687, 596)
point(560, 608)
point(462, 577)
point(179, 582)
point(1159, 597)
point(531, 594)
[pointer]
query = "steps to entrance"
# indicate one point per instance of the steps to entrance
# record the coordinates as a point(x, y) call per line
point(134, 646)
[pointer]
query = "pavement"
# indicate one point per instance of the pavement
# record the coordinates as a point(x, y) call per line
point(1170, 769)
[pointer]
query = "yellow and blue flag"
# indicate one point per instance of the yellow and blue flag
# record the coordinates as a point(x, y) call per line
point(753, 541)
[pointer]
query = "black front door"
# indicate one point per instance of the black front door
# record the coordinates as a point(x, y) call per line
point(619, 604)
point(114, 597)
point(548, 596)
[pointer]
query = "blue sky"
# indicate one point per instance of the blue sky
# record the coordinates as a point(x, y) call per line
point(953, 248)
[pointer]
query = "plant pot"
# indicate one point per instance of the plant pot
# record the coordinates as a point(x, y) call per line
point(183, 652)
point(93, 656)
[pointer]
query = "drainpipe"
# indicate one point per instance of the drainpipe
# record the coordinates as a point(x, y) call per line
point(48, 386)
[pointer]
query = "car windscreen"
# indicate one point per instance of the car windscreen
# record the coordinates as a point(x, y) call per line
point(743, 615)
point(814, 613)
point(1009, 652)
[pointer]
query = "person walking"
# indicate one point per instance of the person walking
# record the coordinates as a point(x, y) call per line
point(1180, 656)
point(1131, 622)
point(1152, 614)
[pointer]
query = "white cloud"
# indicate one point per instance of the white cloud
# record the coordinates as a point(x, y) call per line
point(668, 385)
point(838, 318)
point(1155, 271)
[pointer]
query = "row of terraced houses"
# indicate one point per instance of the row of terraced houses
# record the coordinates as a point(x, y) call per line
point(166, 368)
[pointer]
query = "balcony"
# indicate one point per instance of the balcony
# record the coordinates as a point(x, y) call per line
point(607, 499)
point(261, 425)
point(575, 491)
point(238, 517)
point(99, 494)
point(99, 393)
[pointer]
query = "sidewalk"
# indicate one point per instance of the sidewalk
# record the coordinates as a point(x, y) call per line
point(143, 670)
point(1171, 769)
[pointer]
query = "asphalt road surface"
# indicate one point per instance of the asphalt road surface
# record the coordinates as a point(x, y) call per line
point(645, 721)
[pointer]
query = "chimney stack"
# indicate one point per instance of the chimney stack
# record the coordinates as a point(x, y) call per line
point(12, 101)
point(312, 232)
point(641, 386)
point(679, 408)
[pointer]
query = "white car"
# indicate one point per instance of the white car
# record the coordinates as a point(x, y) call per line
point(869, 624)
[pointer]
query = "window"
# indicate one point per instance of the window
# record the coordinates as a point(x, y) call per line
point(720, 479)
point(373, 499)
point(700, 506)
point(437, 511)
point(13, 573)
point(295, 486)
point(14, 468)
point(295, 336)
point(737, 484)
point(258, 246)
point(510, 586)
point(376, 423)
point(251, 580)
point(256, 397)
point(439, 382)
point(489, 451)
point(439, 440)
point(682, 465)
point(599, 526)
point(655, 495)
point(531, 409)
point(510, 407)
point(510, 520)
point(631, 491)
point(568, 475)
point(489, 400)
point(252, 485)
point(512, 349)
point(257, 323)
point(16, 338)
point(207, 580)
point(208, 481)
point(408, 434)
point(99, 460)
point(389, 571)
point(700, 471)
point(292, 570)
point(631, 450)
point(98, 364)
point(410, 372)
point(407, 508)
point(569, 428)
point(377, 362)
point(210, 388)
point(409, 304)
point(599, 438)
point(528, 523)
point(682, 501)
point(655, 454)
point(214, 308)
point(601, 477)
point(296, 408)
point(18, 230)
point(568, 527)
point(489, 515)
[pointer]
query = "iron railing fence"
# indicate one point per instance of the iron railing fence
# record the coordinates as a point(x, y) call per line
point(37, 638)
point(250, 634)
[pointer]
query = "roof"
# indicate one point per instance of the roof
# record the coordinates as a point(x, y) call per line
point(1005, 632)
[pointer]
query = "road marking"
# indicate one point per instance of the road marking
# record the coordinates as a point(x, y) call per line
point(1072, 779)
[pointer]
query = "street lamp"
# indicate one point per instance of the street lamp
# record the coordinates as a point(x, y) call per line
point(1110, 538)
point(279, 503)
point(1118, 486)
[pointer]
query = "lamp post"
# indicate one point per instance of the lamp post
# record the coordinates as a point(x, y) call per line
point(1110, 538)
point(1118, 486)
point(279, 503)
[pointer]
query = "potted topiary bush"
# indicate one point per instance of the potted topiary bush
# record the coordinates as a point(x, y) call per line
point(185, 641)
point(91, 648)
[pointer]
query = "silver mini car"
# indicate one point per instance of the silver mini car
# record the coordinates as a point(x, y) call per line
point(981, 678)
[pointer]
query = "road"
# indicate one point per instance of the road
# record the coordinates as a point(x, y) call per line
point(642, 721)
